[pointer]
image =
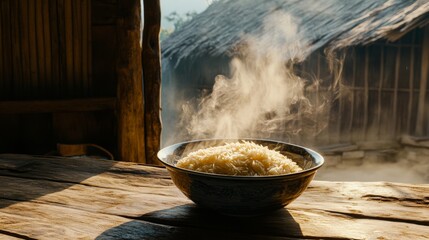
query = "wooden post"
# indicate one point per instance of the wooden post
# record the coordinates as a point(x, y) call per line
point(421, 110)
point(131, 145)
point(152, 77)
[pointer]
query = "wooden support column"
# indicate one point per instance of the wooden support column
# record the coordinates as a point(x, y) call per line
point(152, 78)
point(131, 146)
point(421, 111)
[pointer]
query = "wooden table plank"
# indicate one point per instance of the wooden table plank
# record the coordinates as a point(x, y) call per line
point(45, 198)
point(45, 221)
point(396, 198)
point(388, 206)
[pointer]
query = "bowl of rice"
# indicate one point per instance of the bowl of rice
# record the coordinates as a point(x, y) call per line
point(240, 177)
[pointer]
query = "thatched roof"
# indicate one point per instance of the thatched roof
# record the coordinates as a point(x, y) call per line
point(324, 23)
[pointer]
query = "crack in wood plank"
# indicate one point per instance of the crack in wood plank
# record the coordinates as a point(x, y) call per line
point(390, 219)
point(418, 201)
point(16, 235)
point(141, 172)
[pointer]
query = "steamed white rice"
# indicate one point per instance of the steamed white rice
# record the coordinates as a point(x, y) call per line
point(240, 158)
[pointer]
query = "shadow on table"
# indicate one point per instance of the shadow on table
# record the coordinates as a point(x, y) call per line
point(192, 222)
point(24, 178)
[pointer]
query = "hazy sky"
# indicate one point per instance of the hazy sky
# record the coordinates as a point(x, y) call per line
point(181, 7)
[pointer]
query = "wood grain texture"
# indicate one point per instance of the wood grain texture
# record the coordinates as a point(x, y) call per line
point(40, 49)
point(424, 78)
point(52, 197)
point(152, 78)
point(47, 46)
point(86, 43)
point(131, 132)
point(7, 49)
point(55, 46)
point(16, 46)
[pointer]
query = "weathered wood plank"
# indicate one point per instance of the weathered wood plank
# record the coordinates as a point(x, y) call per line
point(16, 25)
point(106, 13)
point(25, 57)
point(395, 115)
point(424, 78)
point(7, 47)
point(40, 47)
point(77, 54)
point(104, 75)
point(124, 181)
point(131, 132)
point(45, 198)
point(68, 24)
point(48, 47)
point(311, 222)
point(90, 43)
point(44, 221)
point(85, 31)
point(55, 48)
point(18, 49)
point(80, 169)
point(62, 39)
point(151, 58)
point(34, 69)
point(113, 197)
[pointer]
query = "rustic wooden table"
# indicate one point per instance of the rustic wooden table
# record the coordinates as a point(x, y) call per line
point(60, 198)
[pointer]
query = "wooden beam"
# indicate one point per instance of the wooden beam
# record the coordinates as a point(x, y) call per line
point(421, 110)
point(71, 105)
point(131, 146)
point(152, 77)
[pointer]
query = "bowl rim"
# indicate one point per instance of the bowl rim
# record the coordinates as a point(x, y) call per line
point(302, 173)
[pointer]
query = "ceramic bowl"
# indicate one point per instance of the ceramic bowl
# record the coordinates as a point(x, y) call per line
point(241, 195)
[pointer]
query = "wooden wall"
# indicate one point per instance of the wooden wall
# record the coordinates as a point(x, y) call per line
point(57, 74)
point(45, 49)
point(382, 92)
